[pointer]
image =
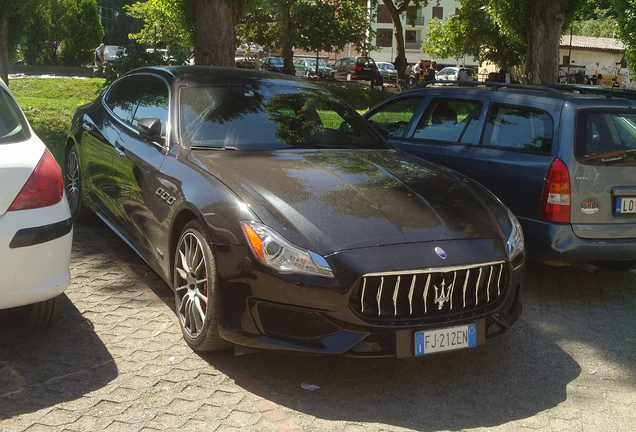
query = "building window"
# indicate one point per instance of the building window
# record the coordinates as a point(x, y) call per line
point(456, 11)
point(410, 36)
point(384, 38)
point(384, 16)
point(438, 12)
point(566, 60)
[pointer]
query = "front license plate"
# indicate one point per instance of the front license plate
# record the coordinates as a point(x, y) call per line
point(447, 339)
point(626, 205)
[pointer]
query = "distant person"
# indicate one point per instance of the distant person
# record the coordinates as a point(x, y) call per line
point(462, 75)
point(377, 82)
point(99, 58)
point(615, 83)
point(600, 79)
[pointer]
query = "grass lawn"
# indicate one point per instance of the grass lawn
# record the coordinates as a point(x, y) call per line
point(49, 103)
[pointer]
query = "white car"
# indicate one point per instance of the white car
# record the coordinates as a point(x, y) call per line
point(36, 229)
point(452, 74)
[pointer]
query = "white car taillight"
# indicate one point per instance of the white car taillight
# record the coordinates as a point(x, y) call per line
point(45, 186)
point(555, 206)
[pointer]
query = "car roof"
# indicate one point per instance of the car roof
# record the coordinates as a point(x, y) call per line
point(580, 95)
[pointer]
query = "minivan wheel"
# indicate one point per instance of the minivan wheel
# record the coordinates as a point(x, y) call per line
point(42, 313)
point(196, 290)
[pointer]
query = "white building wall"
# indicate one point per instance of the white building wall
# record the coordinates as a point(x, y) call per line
point(607, 63)
point(413, 51)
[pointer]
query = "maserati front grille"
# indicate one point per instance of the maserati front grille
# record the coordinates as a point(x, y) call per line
point(430, 293)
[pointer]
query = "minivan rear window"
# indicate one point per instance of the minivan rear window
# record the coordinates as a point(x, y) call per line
point(606, 137)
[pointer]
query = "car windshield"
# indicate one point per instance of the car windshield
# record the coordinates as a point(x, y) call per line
point(607, 137)
point(278, 61)
point(269, 117)
point(387, 66)
point(13, 126)
point(111, 49)
point(312, 63)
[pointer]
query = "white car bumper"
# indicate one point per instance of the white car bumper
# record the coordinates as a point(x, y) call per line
point(35, 250)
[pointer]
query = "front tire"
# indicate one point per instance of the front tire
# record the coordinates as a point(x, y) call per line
point(73, 186)
point(196, 290)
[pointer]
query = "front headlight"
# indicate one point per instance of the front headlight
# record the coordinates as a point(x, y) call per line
point(515, 241)
point(275, 251)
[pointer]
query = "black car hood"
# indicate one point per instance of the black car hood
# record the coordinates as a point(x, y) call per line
point(333, 200)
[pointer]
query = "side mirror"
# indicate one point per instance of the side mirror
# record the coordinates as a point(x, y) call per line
point(150, 128)
point(380, 128)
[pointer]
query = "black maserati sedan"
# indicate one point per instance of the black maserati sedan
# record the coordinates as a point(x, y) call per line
point(283, 220)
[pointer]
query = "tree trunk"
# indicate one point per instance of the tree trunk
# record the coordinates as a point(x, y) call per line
point(544, 37)
point(214, 22)
point(398, 32)
point(4, 49)
point(286, 36)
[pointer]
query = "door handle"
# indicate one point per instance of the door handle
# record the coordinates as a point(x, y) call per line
point(120, 151)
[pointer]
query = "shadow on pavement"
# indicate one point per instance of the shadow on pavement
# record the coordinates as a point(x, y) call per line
point(512, 378)
point(40, 368)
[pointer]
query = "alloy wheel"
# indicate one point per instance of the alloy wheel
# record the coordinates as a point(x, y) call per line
point(73, 181)
point(191, 286)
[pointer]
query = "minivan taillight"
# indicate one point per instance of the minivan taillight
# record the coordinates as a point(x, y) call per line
point(374, 69)
point(357, 68)
point(555, 206)
point(44, 187)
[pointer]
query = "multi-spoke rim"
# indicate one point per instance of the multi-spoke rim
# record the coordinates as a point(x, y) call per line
point(192, 272)
point(73, 181)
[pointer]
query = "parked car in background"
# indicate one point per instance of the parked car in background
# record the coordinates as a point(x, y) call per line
point(348, 68)
point(245, 62)
point(112, 53)
point(36, 230)
point(388, 71)
point(563, 159)
point(272, 64)
point(283, 220)
point(453, 74)
point(307, 67)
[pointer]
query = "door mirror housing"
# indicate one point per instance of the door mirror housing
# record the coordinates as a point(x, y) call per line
point(150, 128)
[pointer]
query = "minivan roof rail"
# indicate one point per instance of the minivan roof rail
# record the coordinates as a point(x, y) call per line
point(551, 90)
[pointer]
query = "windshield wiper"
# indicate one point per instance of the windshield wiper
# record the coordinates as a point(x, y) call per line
point(613, 156)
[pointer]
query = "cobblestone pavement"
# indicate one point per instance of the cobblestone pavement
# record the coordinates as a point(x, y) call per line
point(116, 361)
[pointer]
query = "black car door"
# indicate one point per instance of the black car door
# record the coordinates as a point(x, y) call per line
point(101, 131)
point(137, 164)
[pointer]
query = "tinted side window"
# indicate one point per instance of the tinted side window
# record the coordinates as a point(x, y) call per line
point(519, 128)
point(395, 116)
point(124, 94)
point(451, 120)
point(13, 127)
point(154, 103)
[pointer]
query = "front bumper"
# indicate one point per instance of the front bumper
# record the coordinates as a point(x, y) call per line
point(557, 242)
point(262, 310)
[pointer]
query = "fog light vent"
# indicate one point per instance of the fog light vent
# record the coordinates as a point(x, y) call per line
point(279, 321)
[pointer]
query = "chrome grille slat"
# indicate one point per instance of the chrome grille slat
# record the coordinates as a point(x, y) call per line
point(395, 295)
point(402, 295)
point(411, 294)
point(488, 285)
point(477, 287)
point(428, 282)
point(379, 296)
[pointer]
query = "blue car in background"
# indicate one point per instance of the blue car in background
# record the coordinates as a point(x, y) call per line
point(562, 158)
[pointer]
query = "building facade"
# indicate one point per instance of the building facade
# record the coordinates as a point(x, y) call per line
point(587, 56)
point(415, 25)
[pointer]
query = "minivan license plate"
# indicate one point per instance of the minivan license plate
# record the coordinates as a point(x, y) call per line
point(625, 205)
point(447, 339)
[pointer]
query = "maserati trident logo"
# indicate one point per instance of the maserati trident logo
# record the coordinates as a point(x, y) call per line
point(442, 295)
point(440, 252)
